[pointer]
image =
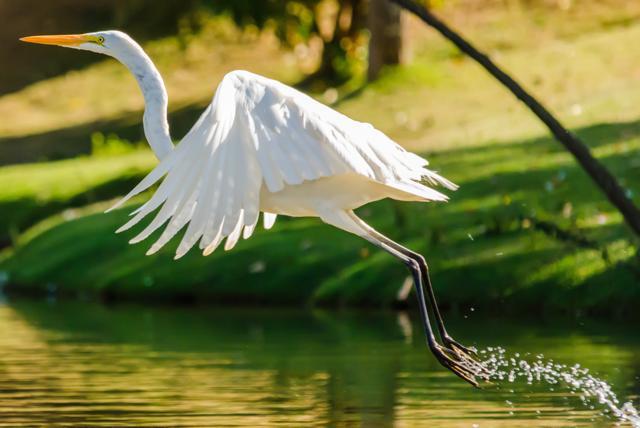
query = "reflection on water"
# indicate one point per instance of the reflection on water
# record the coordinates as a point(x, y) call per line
point(83, 364)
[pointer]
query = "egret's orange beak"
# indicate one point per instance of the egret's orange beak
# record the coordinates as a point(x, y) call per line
point(61, 40)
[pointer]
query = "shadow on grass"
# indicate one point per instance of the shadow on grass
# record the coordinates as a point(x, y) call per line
point(304, 261)
point(73, 141)
point(18, 215)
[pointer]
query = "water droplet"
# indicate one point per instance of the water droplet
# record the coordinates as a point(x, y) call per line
point(257, 267)
point(591, 390)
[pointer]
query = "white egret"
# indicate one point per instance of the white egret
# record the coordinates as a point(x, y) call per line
point(262, 146)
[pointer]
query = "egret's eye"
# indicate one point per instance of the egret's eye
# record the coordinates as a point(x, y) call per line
point(100, 39)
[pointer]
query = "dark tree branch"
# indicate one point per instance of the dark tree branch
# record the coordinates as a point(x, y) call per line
point(598, 173)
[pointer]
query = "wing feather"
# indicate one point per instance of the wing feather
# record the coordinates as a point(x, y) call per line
point(175, 201)
point(259, 132)
point(233, 237)
point(269, 219)
point(248, 230)
point(197, 225)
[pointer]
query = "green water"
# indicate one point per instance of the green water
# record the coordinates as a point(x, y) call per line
point(81, 364)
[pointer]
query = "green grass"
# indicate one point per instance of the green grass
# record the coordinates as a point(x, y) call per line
point(32, 192)
point(483, 246)
point(479, 248)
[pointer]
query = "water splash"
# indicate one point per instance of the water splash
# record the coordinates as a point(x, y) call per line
point(576, 378)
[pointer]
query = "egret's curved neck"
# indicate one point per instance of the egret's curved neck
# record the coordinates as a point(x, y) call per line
point(156, 128)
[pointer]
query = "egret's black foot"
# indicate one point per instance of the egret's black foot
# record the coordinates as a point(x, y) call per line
point(457, 347)
point(453, 362)
point(461, 362)
point(469, 353)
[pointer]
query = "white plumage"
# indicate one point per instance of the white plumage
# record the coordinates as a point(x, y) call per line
point(258, 141)
point(262, 146)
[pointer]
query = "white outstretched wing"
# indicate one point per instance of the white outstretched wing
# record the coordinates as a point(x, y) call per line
point(259, 131)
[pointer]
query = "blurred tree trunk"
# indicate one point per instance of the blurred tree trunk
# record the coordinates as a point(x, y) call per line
point(385, 45)
point(594, 168)
point(349, 21)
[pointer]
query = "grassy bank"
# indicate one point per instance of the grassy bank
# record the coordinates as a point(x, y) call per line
point(485, 246)
point(33, 192)
point(527, 227)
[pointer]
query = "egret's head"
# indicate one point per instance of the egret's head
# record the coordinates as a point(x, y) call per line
point(112, 43)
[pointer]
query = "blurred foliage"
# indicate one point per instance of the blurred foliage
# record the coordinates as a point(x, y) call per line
point(337, 26)
point(143, 19)
point(333, 28)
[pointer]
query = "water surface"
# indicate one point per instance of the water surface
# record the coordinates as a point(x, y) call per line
point(76, 363)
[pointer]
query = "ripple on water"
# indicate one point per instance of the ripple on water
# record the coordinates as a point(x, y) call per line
point(77, 364)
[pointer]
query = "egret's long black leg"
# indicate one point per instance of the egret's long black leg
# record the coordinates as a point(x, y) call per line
point(448, 340)
point(462, 365)
point(466, 353)
point(464, 368)
point(424, 270)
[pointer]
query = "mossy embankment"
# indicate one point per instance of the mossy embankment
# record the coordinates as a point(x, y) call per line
point(526, 231)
